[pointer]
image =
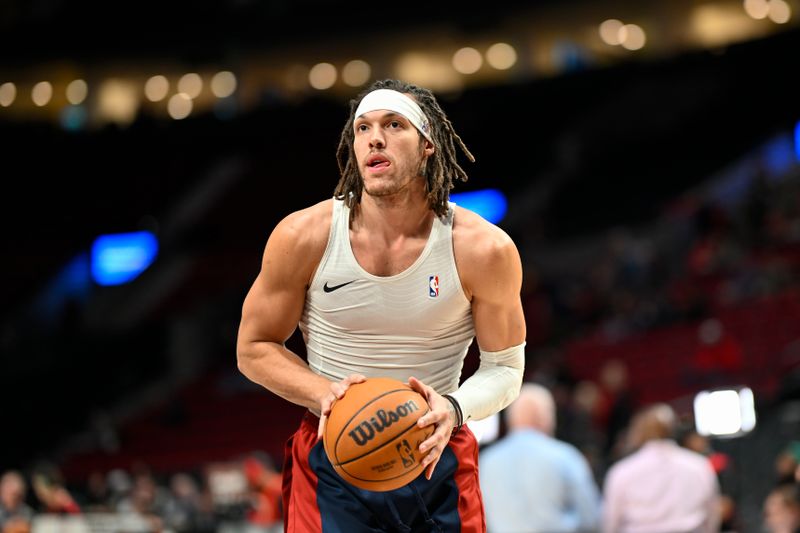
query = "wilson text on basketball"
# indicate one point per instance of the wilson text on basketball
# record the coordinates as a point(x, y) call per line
point(365, 431)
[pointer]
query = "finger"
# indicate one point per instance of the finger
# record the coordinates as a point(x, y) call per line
point(429, 462)
point(425, 420)
point(338, 389)
point(325, 407)
point(434, 416)
point(355, 378)
point(429, 471)
point(418, 386)
point(426, 445)
point(326, 404)
point(440, 436)
point(321, 428)
point(429, 418)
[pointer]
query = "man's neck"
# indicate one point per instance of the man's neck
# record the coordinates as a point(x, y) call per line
point(401, 215)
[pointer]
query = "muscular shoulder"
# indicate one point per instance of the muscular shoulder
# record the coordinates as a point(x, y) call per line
point(298, 241)
point(482, 250)
point(307, 227)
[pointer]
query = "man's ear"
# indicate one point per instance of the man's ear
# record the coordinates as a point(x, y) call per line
point(429, 148)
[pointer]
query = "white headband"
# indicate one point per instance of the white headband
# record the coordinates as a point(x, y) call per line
point(399, 103)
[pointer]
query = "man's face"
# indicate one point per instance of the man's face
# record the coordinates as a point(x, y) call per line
point(12, 492)
point(779, 515)
point(389, 152)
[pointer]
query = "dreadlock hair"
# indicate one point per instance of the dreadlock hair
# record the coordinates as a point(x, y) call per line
point(441, 168)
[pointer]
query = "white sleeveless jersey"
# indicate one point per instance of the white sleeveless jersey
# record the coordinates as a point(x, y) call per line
point(416, 323)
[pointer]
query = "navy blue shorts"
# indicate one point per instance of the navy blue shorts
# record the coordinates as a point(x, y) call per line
point(316, 499)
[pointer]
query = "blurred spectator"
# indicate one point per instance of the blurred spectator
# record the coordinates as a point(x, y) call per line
point(579, 424)
point(718, 358)
point(587, 397)
point(782, 509)
point(264, 482)
point(98, 495)
point(616, 403)
point(660, 487)
point(15, 515)
point(188, 509)
point(532, 482)
point(722, 465)
point(692, 440)
point(147, 500)
point(787, 463)
point(119, 486)
point(51, 492)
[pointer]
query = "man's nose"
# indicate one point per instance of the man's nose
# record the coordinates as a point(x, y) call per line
point(376, 139)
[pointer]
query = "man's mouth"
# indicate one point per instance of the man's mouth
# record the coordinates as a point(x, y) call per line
point(377, 161)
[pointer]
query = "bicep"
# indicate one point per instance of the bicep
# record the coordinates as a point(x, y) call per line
point(271, 310)
point(274, 304)
point(496, 304)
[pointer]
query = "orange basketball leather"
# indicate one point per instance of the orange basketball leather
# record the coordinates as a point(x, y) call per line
point(371, 436)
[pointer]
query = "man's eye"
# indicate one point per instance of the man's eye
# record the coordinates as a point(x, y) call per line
point(361, 127)
point(394, 124)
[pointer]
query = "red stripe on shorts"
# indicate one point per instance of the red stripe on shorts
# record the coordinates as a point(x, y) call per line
point(470, 501)
point(301, 513)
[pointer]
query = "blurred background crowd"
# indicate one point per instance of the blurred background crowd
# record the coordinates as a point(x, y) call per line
point(648, 154)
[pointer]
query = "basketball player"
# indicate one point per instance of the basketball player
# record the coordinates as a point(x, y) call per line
point(388, 278)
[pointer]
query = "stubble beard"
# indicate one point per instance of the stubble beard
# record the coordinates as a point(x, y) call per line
point(386, 188)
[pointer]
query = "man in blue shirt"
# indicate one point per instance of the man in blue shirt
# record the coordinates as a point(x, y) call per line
point(532, 482)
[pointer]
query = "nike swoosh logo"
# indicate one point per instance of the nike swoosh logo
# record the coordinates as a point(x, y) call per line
point(332, 288)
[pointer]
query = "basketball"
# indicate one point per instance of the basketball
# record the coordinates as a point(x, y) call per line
point(371, 436)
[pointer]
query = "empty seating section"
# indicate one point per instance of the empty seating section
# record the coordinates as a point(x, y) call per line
point(206, 422)
point(662, 362)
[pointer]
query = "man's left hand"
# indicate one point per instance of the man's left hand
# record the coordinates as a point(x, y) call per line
point(442, 417)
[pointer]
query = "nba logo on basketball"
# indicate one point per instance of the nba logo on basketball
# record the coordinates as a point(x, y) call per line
point(433, 286)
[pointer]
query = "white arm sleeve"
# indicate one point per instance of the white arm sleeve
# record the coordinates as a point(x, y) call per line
point(494, 385)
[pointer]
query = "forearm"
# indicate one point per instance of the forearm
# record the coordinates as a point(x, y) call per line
point(282, 372)
point(494, 385)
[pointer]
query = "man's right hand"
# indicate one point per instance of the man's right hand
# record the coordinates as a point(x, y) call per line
point(337, 390)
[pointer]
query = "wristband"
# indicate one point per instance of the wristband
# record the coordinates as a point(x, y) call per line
point(457, 411)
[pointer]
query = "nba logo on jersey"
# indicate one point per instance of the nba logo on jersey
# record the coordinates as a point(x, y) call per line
point(433, 286)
